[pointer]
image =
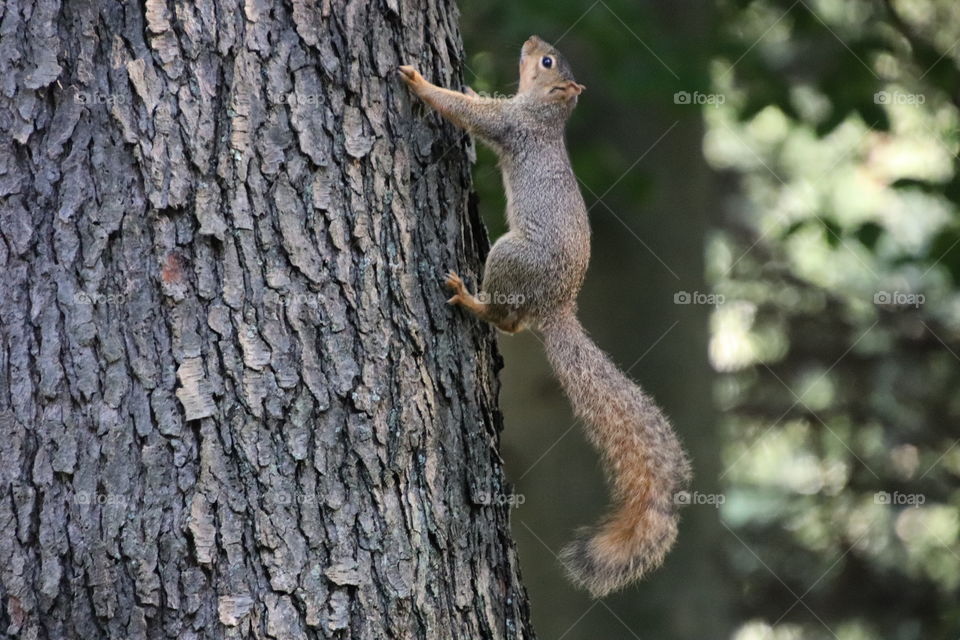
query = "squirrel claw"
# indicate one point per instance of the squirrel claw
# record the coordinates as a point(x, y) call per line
point(409, 75)
point(455, 282)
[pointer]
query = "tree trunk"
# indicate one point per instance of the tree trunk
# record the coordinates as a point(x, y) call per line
point(232, 400)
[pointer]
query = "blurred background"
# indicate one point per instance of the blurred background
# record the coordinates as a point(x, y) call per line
point(773, 190)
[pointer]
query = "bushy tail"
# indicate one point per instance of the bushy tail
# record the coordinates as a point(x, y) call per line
point(645, 462)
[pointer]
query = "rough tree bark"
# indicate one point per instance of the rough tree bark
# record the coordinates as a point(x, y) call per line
point(232, 401)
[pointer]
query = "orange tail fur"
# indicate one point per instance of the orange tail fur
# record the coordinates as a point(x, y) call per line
point(646, 464)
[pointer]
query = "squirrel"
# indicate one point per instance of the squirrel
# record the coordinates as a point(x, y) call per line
point(532, 276)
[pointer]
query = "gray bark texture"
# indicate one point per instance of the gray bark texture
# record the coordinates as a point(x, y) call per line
point(232, 401)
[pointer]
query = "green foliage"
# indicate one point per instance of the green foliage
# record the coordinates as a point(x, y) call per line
point(845, 474)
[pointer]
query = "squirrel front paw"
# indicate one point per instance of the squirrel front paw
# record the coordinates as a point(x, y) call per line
point(411, 76)
point(455, 284)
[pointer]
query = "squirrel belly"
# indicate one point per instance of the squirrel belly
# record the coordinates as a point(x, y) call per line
point(646, 466)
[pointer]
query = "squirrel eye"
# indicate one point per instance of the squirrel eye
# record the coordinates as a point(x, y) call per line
point(547, 62)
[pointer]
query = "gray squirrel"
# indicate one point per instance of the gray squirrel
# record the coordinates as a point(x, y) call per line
point(531, 280)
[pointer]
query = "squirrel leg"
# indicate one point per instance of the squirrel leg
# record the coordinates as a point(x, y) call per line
point(483, 310)
point(484, 117)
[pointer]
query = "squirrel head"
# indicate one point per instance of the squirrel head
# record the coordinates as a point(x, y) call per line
point(545, 73)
